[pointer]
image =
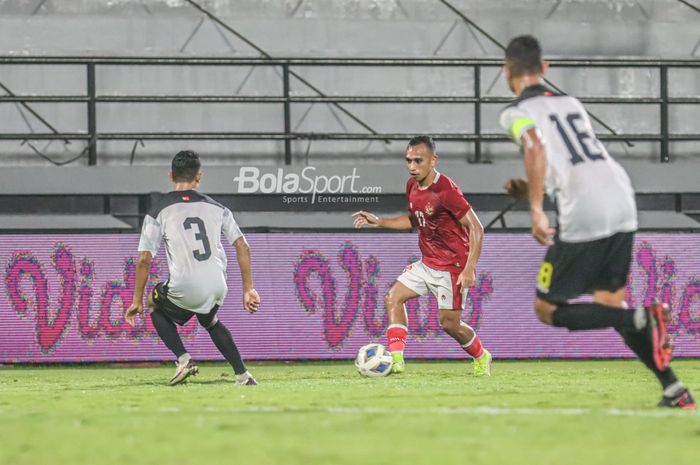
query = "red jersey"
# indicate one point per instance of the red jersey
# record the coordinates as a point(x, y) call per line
point(436, 211)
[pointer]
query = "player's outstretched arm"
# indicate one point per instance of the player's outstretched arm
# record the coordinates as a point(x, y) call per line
point(476, 241)
point(251, 299)
point(143, 266)
point(363, 218)
point(535, 166)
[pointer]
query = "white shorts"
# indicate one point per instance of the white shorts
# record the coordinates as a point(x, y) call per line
point(443, 284)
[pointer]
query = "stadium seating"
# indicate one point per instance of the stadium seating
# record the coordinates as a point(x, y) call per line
point(332, 29)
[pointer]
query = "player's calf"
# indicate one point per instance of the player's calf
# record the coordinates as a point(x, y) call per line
point(647, 337)
point(468, 340)
point(461, 332)
point(452, 325)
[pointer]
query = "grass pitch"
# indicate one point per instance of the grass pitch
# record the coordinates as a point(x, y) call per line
point(529, 412)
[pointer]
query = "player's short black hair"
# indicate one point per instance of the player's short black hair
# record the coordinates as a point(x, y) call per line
point(417, 140)
point(185, 166)
point(524, 56)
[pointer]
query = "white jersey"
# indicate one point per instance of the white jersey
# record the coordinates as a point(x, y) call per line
point(191, 225)
point(593, 193)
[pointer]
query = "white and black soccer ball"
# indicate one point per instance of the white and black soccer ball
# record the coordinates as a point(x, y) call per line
point(374, 361)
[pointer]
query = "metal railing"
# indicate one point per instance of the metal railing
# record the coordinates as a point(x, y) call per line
point(286, 134)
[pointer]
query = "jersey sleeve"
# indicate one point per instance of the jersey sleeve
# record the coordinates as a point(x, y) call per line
point(151, 235)
point(515, 121)
point(455, 203)
point(229, 227)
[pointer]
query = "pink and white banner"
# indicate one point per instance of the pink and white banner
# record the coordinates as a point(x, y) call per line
point(322, 297)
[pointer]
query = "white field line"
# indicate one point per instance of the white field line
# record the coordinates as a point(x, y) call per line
point(484, 410)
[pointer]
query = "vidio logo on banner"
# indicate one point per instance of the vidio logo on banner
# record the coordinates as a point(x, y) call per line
point(97, 308)
point(364, 298)
point(251, 181)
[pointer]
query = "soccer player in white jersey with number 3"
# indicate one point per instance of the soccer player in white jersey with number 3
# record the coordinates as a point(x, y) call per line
point(591, 250)
point(192, 224)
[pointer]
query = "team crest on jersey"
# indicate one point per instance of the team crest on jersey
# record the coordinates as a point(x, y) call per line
point(429, 209)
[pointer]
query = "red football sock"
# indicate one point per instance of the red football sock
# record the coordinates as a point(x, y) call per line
point(396, 335)
point(474, 347)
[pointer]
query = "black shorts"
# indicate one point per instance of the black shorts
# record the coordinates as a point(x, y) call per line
point(178, 314)
point(571, 269)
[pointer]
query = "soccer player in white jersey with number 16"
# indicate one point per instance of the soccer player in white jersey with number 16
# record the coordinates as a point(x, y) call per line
point(597, 218)
point(192, 224)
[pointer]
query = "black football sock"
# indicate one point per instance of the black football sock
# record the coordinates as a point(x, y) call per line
point(168, 333)
point(224, 342)
point(641, 346)
point(582, 316)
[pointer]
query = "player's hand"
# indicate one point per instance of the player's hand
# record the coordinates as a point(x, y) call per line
point(363, 218)
point(251, 300)
point(131, 312)
point(517, 188)
point(541, 230)
point(467, 278)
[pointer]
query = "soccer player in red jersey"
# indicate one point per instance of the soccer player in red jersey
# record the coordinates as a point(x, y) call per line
point(450, 236)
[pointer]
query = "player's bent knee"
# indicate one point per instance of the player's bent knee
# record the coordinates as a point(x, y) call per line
point(207, 323)
point(544, 311)
point(155, 314)
point(610, 298)
point(392, 300)
point(388, 299)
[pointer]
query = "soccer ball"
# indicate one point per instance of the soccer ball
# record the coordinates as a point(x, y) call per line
point(374, 361)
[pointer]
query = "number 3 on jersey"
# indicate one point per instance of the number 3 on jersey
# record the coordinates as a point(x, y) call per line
point(200, 235)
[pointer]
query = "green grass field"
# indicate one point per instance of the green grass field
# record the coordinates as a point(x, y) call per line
point(529, 412)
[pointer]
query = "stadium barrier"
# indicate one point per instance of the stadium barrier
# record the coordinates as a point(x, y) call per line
point(284, 97)
point(322, 298)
